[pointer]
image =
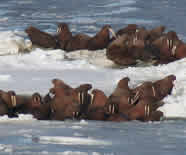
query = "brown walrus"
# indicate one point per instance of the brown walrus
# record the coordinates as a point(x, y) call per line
point(167, 46)
point(127, 49)
point(122, 96)
point(155, 33)
point(41, 38)
point(129, 30)
point(68, 102)
point(144, 109)
point(96, 107)
point(118, 52)
point(164, 86)
point(25, 104)
point(158, 89)
point(68, 42)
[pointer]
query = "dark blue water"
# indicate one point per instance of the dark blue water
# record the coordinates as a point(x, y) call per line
point(35, 137)
point(84, 14)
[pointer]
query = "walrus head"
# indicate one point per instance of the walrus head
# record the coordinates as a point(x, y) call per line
point(123, 83)
point(164, 86)
point(36, 100)
point(107, 31)
point(111, 108)
point(98, 98)
point(62, 27)
point(63, 35)
point(130, 29)
point(9, 98)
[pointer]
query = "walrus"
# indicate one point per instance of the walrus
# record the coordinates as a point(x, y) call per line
point(145, 89)
point(102, 39)
point(67, 101)
point(164, 86)
point(166, 46)
point(68, 42)
point(156, 33)
point(39, 109)
point(179, 50)
point(158, 89)
point(96, 106)
point(128, 49)
point(143, 110)
point(118, 52)
point(63, 108)
point(25, 104)
point(123, 96)
point(98, 98)
point(41, 38)
point(129, 30)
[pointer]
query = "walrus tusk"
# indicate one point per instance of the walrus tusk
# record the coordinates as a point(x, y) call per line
point(112, 32)
point(59, 29)
point(174, 50)
point(81, 97)
point(148, 110)
point(113, 109)
point(91, 98)
point(13, 100)
point(136, 97)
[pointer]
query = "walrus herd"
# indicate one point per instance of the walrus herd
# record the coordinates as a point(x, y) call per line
point(64, 102)
point(127, 46)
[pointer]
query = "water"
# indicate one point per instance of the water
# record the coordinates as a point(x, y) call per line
point(31, 72)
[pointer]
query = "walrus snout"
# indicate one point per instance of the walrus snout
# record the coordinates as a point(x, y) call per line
point(112, 33)
point(36, 100)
